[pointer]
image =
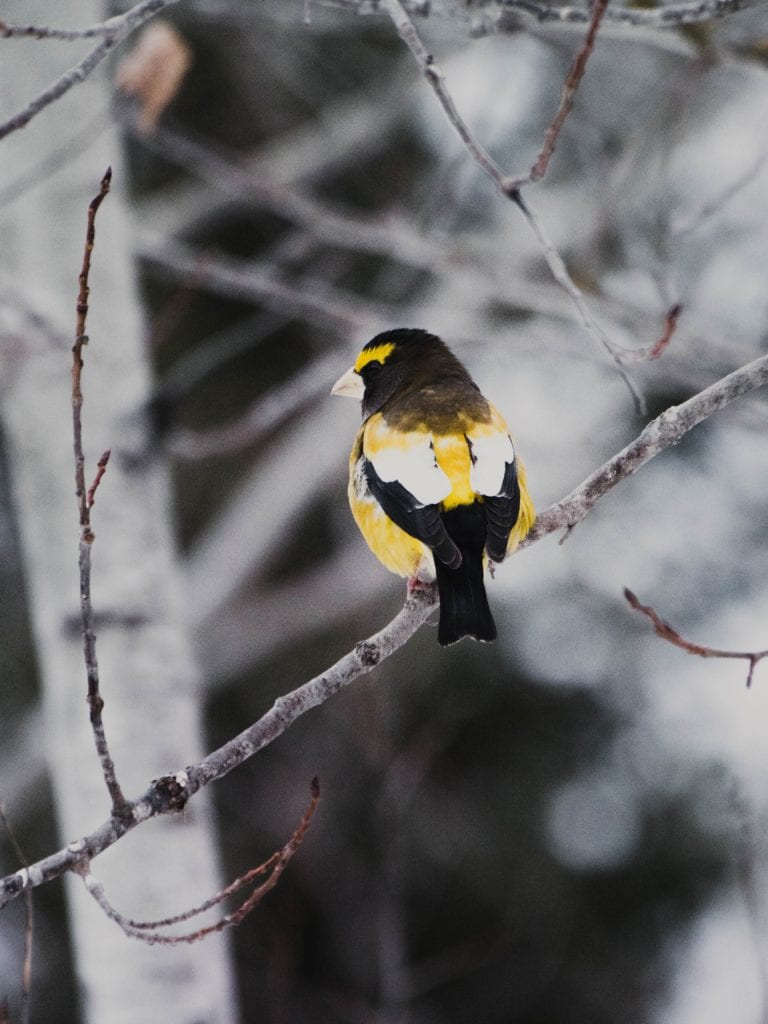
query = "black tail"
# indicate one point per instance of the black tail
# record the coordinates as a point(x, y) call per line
point(464, 607)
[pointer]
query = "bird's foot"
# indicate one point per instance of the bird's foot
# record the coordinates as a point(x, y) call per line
point(416, 586)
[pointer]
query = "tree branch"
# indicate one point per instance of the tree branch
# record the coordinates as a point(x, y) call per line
point(668, 16)
point(85, 499)
point(666, 430)
point(670, 634)
point(570, 86)
point(171, 793)
point(113, 31)
point(120, 24)
point(510, 186)
point(150, 931)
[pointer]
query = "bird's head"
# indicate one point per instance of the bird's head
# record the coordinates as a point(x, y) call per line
point(390, 360)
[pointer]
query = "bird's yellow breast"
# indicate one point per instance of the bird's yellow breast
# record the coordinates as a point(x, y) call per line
point(394, 548)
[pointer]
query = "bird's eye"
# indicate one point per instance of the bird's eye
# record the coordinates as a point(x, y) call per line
point(372, 368)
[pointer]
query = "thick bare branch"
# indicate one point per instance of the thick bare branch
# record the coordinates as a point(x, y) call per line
point(667, 16)
point(171, 793)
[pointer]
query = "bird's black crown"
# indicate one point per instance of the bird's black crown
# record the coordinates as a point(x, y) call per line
point(403, 336)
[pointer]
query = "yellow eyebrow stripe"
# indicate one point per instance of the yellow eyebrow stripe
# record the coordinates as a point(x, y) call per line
point(376, 354)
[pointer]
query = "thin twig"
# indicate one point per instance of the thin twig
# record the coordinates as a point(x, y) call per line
point(149, 931)
point(560, 273)
point(113, 32)
point(660, 346)
point(407, 32)
point(570, 86)
point(171, 793)
point(686, 223)
point(507, 185)
point(669, 633)
point(101, 468)
point(85, 500)
point(26, 970)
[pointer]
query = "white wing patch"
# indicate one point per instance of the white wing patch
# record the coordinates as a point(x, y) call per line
point(491, 454)
point(413, 464)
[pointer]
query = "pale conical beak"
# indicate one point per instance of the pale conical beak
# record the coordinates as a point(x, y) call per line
point(349, 384)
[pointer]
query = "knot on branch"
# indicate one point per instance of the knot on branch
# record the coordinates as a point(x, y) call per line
point(16, 883)
point(368, 653)
point(169, 794)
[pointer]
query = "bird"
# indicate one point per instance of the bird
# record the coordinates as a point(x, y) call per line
point(435, 485)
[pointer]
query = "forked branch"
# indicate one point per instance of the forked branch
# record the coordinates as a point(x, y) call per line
point(153, 933)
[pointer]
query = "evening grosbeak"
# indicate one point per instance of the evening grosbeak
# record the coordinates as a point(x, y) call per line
point(434, 484)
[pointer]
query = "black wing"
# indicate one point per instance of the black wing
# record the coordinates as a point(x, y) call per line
point(420, 521)
point(501, 512)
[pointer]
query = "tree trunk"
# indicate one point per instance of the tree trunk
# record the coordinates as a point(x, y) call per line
point(149, 681)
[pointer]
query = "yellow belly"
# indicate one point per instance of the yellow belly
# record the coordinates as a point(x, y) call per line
point(396, 549)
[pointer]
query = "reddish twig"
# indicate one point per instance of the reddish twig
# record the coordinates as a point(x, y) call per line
point(670, 326)
point(101, 468)
point(26, 970)
point(81, 339)
point(567, 97)
point(658, 347)
point(273, 867)
point(120, 806)
point(669, 633)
